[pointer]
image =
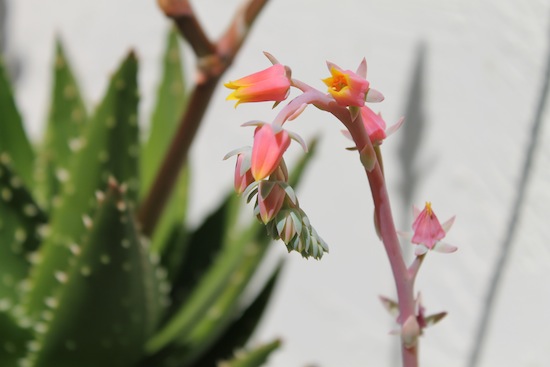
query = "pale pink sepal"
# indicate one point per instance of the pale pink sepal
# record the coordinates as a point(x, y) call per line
point(271, 58)
point(374, 96)
point(444, 248)
point(362, 69)
point(392, 129)
point(448, 224)
point(420, 250)
point(410, 332)
point(243, 176)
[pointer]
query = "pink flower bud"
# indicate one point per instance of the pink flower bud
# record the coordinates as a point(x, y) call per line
point(271, 197)
point(346, 87)
point(410, 332)
point(271, 84)
point(243, 175)
point(267, 150)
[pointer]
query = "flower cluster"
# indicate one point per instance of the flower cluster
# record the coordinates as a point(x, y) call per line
point(260, 171)
point(261, 175)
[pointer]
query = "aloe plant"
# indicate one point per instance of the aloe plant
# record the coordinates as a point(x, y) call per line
point(80, 285)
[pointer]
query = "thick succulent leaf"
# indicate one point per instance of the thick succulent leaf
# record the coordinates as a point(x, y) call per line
point(108, 148)
point(21, 220)
point(212, 275)
point(241, 328)
point(198, 252)
point(13, 340)
point(220, 312)
point(13, 140)
point(66, 121)
point(203, 292)
point(253, 358)
point(167, 112)
point(109, 300)
point(170, 103)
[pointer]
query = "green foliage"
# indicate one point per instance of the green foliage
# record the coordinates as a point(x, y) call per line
point(13, 140)
point(79, 283)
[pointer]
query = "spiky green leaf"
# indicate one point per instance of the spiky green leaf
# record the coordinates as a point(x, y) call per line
point(215, 274)
point(14, 340)
point(170, 104)
point(20, 222)
point(66, 121)
point(13, 139)
point(109, 147)
point(241, 328)
point(253, 358)
point(109, 300)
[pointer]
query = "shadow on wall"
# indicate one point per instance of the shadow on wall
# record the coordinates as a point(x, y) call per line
point(408, 152)
point(479, 340)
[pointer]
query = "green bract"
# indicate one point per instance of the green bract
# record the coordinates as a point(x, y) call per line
point(79, 284)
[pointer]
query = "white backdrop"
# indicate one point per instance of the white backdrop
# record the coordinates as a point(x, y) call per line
point(483, 75)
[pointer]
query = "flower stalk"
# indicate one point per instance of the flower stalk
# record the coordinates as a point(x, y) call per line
point(347, 93)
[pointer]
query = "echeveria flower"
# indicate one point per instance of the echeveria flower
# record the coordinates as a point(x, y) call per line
point(346, 87)
point(271, 84)
point(267, 150)
point(428, 232)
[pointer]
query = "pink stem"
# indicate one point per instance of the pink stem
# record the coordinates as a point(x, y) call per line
point(404, 279)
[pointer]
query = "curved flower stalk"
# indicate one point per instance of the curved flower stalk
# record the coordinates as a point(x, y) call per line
point(276, 203)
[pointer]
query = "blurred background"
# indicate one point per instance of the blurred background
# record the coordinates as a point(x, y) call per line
point(469, 76)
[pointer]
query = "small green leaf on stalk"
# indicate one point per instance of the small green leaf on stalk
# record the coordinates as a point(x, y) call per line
point(368, 157)
point(13, 139)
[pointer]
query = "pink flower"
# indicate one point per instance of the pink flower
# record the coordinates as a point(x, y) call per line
point(243, 175)
point(374, 124)
point(267, 150)
point(428, 231)
point(426, 227)
point(271, 84)
point(346, 87)
point(271, 197)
